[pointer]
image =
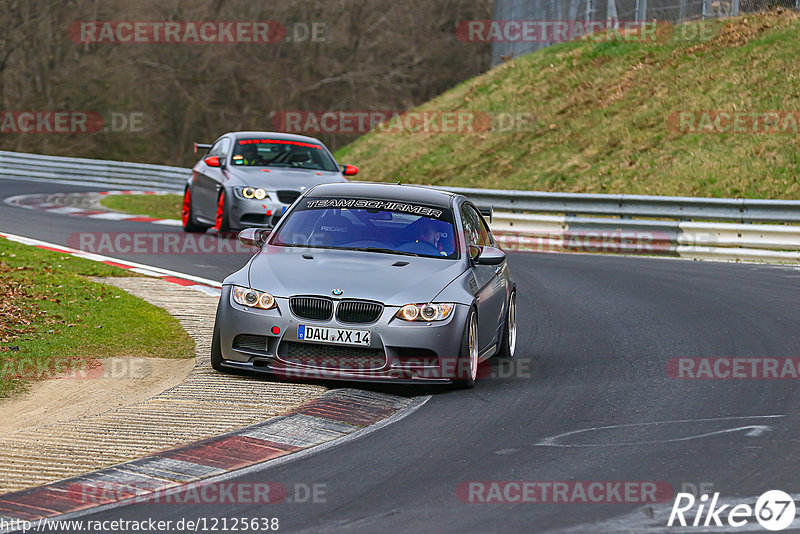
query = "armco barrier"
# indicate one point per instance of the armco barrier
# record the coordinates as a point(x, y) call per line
point(92, 172)
point(741, 210)
point(530, 220)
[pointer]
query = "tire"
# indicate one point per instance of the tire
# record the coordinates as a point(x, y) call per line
point(468, 353)
point(187, 215)
point(222, 224)
point(508, 345)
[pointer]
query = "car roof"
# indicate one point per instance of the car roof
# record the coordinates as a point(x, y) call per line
point(274, 135)
point(385, 191)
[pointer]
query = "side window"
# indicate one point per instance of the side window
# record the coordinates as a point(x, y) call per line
point(474, 227)
point(220, 148)
point(486, 235)
point(471, 229)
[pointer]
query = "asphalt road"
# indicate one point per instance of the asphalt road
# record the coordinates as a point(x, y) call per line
point(596, 335)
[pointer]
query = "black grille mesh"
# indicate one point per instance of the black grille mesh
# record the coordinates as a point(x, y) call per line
point(331, 356)
point(287, 197)
point(314, 308)
point(250, 342)
point(357, 311)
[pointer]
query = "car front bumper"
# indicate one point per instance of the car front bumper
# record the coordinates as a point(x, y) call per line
point(252, 213)
point(266, 341)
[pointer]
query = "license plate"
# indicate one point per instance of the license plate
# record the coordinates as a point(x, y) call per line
point(333, 335)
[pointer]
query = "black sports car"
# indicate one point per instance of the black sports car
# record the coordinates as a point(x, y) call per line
point(248, 179)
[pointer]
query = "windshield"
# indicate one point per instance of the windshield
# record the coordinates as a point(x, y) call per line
point(260, 152)
point(370, 225)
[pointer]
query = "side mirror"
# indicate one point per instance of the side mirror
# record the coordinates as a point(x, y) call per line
point(253, 237)
point(213, 161)
point(350, 170)
point(486, 255)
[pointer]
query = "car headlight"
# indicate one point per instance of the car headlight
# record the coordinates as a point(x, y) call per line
point(252, 298)
point(253, 192)
point(425, 312)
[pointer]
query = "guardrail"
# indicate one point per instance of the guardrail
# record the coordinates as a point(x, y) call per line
point(742, 210)
point(92, 172)
point(629, 224)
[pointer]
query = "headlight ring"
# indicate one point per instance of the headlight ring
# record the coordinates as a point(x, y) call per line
point(254, 192)
point(252, 298)
point(426, 312)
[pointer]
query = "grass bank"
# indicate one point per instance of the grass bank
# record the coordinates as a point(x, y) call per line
point(54, 319)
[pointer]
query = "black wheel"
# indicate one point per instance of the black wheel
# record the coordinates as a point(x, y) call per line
point(187, 217)
point(468, 356)
point(508, 345)
point(222, 224)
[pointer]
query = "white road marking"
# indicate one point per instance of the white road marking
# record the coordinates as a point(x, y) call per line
point(66, 210)
point(753, 431)
point(111, 215)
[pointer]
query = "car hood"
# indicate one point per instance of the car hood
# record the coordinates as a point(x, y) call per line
point(284, 272)
point(282, 178)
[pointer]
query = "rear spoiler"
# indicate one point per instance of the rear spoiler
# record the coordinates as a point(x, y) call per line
point(487, 212)
point(201, 145)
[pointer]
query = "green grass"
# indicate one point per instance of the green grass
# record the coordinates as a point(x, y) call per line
point(53, 318)
point(597, 118)
point(157, 206)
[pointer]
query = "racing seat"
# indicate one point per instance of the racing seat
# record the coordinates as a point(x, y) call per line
point(447, 242)
point(333, 230)
point(300, 157)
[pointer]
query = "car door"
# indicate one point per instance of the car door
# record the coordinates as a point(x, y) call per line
point(490, 284)
point(208, 181)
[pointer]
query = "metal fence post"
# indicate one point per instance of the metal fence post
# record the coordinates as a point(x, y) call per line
point(641, 10)
point(611, 14)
